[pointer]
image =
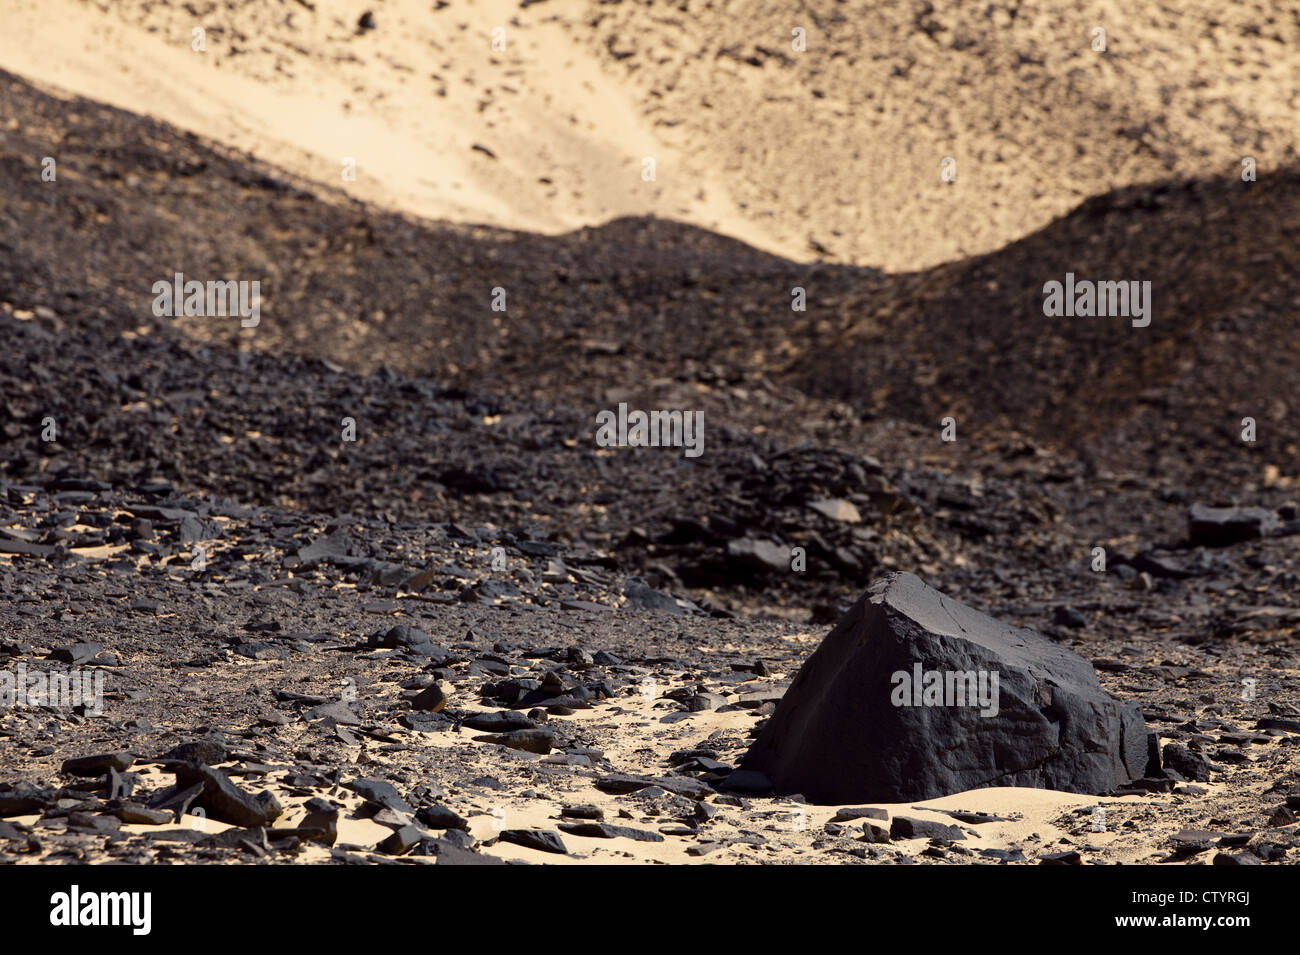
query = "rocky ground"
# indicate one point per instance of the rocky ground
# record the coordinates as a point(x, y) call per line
point(324, 639)
point(457, 630)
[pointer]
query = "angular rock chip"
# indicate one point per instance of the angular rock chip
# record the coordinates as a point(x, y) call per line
point(759, 555)
point(640, 594)
point(20, 802)
point(337, 711)
point(135, 814)
point(76, 653)
point(545, 840)
point(864, 812)
point(1221, 526)
point(853, 728)
point(530, 741)
point(837, 509)
point(401, 841)
point(603, 830)
point(440, 817)
point(431, 698)
point(378, 791)
point(905, 827)
point(226, 802)
point(98, 765)
point(452, 855)
point(501, 722)
point(204, 751)
point(621, 784)
point(1187, 763)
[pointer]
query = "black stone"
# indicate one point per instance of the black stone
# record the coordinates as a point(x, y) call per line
point(226, 802)
point(603, 830)
point(1186, 763)
point(378, 791)
point(546, 840)
point(98, 765)
point(1221, 526)
point(905, 827)
point(440, 817)
point(838, 737)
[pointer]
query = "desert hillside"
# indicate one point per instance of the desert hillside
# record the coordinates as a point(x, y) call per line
point(549, 131)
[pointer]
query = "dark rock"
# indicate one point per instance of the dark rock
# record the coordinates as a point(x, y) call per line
point(135, 814)
point(90, 822)
point(704, 812)
point(1221, 526)
point(1002, 855)
point(381, 793)
point(448, 854)
point(440, 817)
point(530, 741)
point(338, 711)
point(1273, 723)
point(20, 802)
point(1238, 858)
point(1160, 566)
point(545, 840)
point(874, 833)
point(759, 555)
point(204, 751)
point(453, 837)
point(1061, 858)
point(98, 765)
point(603, 830)
point(226, 802)
point(1281, 816)
point(431, 698)
point(849, 815)
point(250, 839)
point(1069, 617)
point(76, 654)
point(401, 841)
point(905, 827)
point(621, 784)
point(413, 641)
point(748, 781)
point(1186, 763)
point(176, 799)
point(583, 812)
point(704, 701)
point(502, 722)
point(641, 595)
point(704, 848)
point(843, 733)
point(1154, 766)
point(321, 824)
point(323, 550)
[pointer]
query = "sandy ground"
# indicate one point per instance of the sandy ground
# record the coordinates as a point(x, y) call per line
point(408, 103)
point(1025, 818)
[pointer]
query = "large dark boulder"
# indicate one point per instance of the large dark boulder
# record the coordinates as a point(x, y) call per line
point(846, 730)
